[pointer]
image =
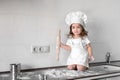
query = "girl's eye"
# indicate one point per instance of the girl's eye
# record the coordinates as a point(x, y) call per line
point(73, 27)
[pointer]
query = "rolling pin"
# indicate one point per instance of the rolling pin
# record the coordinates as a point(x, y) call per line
point(58, 41)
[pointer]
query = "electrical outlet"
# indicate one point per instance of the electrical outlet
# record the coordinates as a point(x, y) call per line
point(40, 49)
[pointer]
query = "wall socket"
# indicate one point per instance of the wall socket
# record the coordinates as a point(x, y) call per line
point(40, 49)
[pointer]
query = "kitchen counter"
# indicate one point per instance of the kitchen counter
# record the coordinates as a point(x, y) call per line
point(116, 63)
point(92, 73)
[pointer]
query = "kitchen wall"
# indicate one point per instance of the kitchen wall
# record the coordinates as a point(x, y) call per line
point(27, 23)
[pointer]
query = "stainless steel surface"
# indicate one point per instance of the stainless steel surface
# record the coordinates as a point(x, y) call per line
point(13, 71)
point(105, 68)
point(92, 71)
point(18, 69)
point(63, 73)
point(116, 63)
point(108, 55)
point(24, 76)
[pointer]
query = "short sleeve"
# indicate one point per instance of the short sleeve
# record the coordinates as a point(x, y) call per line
point(86, 40)
point(69, 42)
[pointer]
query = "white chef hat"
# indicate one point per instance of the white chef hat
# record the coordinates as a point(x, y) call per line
point(76, 17)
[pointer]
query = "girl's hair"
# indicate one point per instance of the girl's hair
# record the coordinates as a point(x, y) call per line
point(82, 34)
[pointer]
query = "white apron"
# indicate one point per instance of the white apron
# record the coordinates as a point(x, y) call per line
point(79, 54)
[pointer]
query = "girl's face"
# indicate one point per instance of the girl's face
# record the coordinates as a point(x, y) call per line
point(76, 29)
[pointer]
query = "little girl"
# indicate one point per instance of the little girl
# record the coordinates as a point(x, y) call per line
point(78, 43)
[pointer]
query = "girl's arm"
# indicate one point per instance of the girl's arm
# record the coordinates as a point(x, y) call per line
point(89, 48)
point(67, 47)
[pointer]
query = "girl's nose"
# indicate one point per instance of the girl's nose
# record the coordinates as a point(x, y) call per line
point(76, 29)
